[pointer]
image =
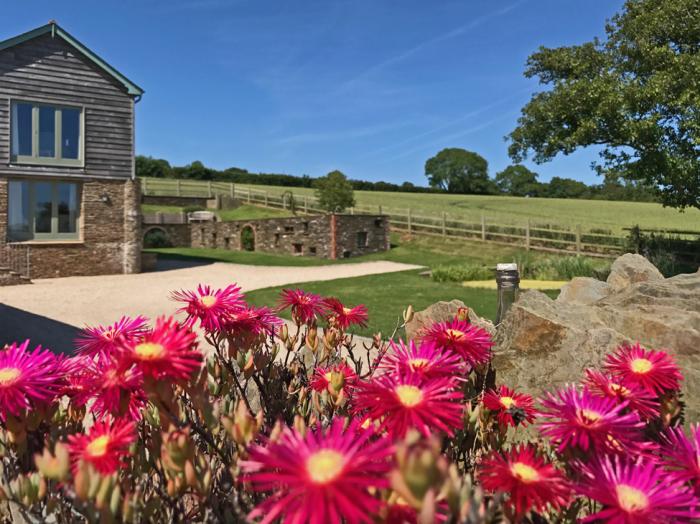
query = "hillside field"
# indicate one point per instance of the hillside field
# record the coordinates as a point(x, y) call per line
point(566, 213)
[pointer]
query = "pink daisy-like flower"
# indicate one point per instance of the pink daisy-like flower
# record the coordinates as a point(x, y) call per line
point(252, 320)
point(168, 352)
point(468, 341)
point(641, 400)
point(115, 385)
point(104, 340)
point(654, 371)
point(577, 419)
point(27, 378)
point(529, 480)
point(425, 360)
point(511, 408)
point(636, 493)
point(211, 307)
point(105, 446)
point(344, 317)
point(405, 401)
point(681, 454)
point(305, 306)
point(321, 379)
point(322, 477)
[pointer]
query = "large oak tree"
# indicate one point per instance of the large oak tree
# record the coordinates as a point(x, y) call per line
point(636, 94)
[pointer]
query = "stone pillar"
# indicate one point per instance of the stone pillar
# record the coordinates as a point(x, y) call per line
point(132, 226)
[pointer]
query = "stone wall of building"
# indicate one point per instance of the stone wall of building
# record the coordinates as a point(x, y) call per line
point(179, 235)
point(360, 235)
point(110, 238)
point(311, 235)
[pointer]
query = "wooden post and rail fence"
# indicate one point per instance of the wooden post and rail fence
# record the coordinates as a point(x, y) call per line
point(528, 234)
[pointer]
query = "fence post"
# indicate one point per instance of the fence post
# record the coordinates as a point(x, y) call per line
point(380, 209)
point(145, 186)
point(179, 190)
point(249, 195)
point(578, 239)
point(408, 220)
point(209, 188)
point(527, 235)
point(352, 210)
point(483, 227)
point(266, 199)
point(444, 224)
point(232, 191)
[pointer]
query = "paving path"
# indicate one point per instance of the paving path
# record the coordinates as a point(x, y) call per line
point(49, 310)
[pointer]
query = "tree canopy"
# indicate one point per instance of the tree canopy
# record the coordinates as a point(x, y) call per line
point(334, 192)
point(459, 171)
point(517, 180)
point(636, 95)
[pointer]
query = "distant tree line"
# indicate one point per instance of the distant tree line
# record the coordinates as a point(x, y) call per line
point(452, 170)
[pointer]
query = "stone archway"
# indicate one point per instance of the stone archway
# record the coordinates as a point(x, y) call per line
point(156, 237)
point(248, 238)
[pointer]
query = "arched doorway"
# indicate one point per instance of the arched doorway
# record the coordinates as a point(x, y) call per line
point(248, 238)
point(156, 237)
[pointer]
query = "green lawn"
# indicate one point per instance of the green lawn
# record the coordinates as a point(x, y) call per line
point(387, 295)
point(591, 214)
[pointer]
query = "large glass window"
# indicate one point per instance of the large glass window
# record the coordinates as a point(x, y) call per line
point(43, 210)
point(46, 134)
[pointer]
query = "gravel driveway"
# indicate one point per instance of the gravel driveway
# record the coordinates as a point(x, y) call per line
point(49, 310)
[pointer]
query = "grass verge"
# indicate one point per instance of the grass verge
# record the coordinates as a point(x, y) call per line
point(387, 295)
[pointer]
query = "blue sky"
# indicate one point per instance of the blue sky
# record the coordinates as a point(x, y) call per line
point(370, 87)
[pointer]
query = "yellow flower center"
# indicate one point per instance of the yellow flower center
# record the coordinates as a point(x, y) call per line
point(631, 499)
point(328, 376)
point(208, 300)
point(324, 466)
point(524, 472)
point(98, 447)
point(507, 402)
point(641, 365)
point(619, 389)
point(418, 363)
point(409, 396)
point(590, 416)
point(455, 334)
point(347, 310)
point(8, 376)
point(149, 350)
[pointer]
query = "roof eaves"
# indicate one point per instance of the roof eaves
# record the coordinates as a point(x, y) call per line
point(55, 29)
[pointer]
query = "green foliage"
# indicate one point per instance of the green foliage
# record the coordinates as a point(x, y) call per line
point(517, 180)
point(560, 268)
point(670, 253)
point(462, 273)
point(147, 166)
point(156, 238)
point(248, 239)
point(456, 170)
point(635, 94)
point(334, 192)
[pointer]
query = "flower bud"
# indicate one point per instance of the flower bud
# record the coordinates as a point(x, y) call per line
point(283, 333)
point(408, 314)
point(54, 467)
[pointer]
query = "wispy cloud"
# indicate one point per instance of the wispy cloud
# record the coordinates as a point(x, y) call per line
point(345, 134)
point(400, 57)
point(444, 141)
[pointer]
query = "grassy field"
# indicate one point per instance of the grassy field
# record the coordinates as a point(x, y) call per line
point(386, 296)
point(591, 214)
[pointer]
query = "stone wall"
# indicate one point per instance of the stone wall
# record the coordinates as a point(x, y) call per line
point(174, 201)
point(110, 238)
point(311, 235)
point(179, 235)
